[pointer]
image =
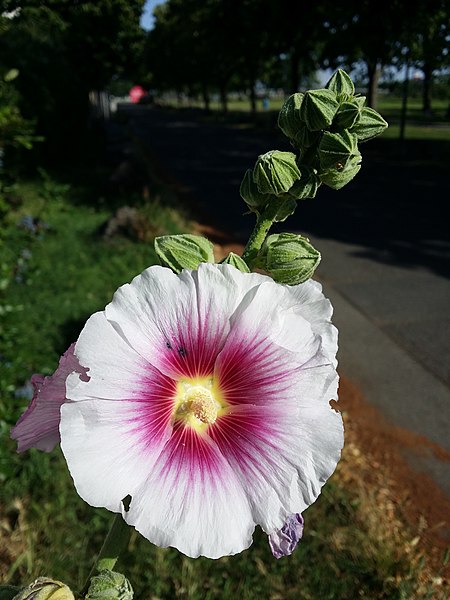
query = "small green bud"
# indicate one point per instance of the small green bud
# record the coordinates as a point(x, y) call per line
point(369, 125)
point(337, 149)
point(109, 585)
point(286, 209)
point(11, 75)
point(250, 193)
point(360, 101)
point(184, 251)
point(289, 258)
point(275, 172)
point(318, 109)
point(307, 185)
point(44, 588)
point(236, 261)
point(347, 116)
point(341, 84)
point(289, 118)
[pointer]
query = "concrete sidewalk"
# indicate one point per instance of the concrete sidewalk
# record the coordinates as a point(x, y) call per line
point(385, 259)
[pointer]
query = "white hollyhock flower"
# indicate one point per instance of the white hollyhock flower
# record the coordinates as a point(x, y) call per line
point(206, 401)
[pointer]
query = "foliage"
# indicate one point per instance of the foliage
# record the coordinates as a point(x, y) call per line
point(64, 49)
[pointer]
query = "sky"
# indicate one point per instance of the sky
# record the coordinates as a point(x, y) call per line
point(147, 16)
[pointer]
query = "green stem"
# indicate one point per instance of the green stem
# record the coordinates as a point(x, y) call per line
point(263, 224)
point(115, 542)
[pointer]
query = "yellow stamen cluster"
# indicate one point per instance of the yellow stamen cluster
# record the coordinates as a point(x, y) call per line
point(196, 402)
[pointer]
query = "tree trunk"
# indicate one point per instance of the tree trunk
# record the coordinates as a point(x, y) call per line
point(426, 93)
point(373, 73)
point(253, 98)
point(294, 74)
point(224, 98)
point(205, 95)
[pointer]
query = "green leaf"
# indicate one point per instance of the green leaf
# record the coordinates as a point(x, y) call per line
point(289, 120)
point(369, 125)
point(275, 172)
point(250, 193)
point(286, 210)
point(341, 84)
point(109, 585)
point(307, 185)
point(318, 109)
point(236, 261)
point(289, 258)
point(184, 251)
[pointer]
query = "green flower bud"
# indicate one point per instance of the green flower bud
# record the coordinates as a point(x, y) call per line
point(336, 149)
point(306, 138)
point(342, 85)
point(369, 125)
point(44, 588)
point(108, 585)
point(184, 251)
point(236, 261)
point(318, 109)
point(286, 210)
point(275, 172)
point(289, 258)
point(336, 178)
point(360, 101)
point(307, 185)
point(289, 118)
point(250, 193)
point(347, 116)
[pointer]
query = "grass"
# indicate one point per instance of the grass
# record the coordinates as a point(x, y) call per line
point(354, 546)
point(418, 125)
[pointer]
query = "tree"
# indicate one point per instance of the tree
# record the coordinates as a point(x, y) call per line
point(63, 49)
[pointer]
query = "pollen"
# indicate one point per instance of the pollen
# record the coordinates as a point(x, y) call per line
point(198, 402)
point(201, 404)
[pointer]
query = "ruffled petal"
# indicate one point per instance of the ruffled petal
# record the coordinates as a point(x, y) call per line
point(38, 427)
point(284, 541)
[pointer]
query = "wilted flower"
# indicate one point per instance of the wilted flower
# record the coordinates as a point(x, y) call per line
point(207, 402)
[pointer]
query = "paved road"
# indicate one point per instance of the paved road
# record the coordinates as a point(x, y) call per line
point(386, 256)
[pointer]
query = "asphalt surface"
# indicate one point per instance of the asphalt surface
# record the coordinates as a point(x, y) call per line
point(385, 248)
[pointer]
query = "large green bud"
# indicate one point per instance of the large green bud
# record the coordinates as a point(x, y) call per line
point(289, 258)
point(44, 588)
point(275, 172)
point(347, 116)
point(184, 251)
point(318, 109)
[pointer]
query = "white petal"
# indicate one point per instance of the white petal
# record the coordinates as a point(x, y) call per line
point(192, 500)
